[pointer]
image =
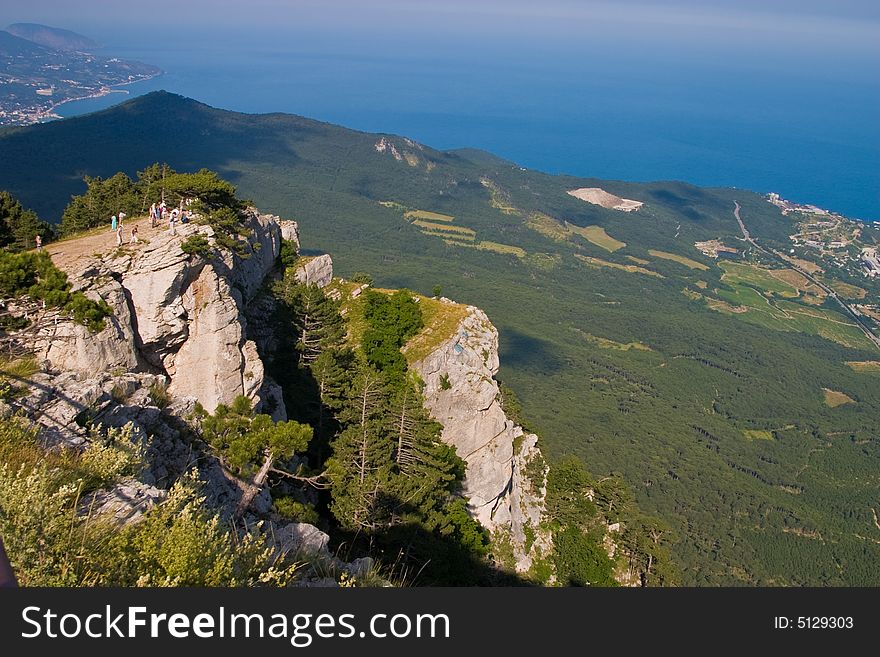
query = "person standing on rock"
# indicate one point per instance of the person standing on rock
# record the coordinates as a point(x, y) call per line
point(122, 216)
point(171, 221)
point(153, 215)
point(119, 235)
point(113, 223)
point(134, 235)
point(39, 242)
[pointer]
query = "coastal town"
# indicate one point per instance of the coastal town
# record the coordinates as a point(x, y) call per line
point(35, 79)
point(838, 241)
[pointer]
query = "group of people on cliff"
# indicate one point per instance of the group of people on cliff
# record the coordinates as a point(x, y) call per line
point(159, 213)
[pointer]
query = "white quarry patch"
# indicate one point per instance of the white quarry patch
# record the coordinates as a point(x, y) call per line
point(598, 196)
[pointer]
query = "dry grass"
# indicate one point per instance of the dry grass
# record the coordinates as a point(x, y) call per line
point(638, 261)
point(687, 262)
point(548, 226)
point(835, 398)
point(502, 248)
point(757, 434)
point(605, 343)
point(429, 225)
point(865, 366)
point(848, 291)
point(441, 323)
point(446, 235)
point(429, 216)
point(633, 269)
point(597, 235)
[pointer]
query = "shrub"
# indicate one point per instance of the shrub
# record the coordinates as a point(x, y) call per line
point(34, 275)
point(287, 507)
point(196, 245)
point(444, 382)
point(362, 278)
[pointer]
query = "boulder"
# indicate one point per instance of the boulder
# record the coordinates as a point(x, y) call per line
point(316, 271)
point(126, 502)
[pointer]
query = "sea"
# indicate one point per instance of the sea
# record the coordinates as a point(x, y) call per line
point(793, 120)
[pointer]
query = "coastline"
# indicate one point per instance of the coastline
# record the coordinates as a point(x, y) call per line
point(50, 115)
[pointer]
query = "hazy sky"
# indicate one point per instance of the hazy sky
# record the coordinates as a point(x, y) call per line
point(848, 23)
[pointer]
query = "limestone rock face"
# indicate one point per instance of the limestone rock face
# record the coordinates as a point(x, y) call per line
point(290, 231)
point(462, 395)
point(180, 315)
point(316, 271)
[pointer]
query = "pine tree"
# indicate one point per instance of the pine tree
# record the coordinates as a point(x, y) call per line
point(245, 440)
point(19, 227)
point(316, 317)
point(361, 465)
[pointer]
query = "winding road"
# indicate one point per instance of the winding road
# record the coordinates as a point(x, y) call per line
point(860, 322)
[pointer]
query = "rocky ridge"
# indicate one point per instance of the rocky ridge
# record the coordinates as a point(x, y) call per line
point(185, 329)
point(506, 472)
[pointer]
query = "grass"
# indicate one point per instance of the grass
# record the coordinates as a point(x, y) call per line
point(757, 434)
point(740, 273)
point(597, 235)
point(548, 226)
point(864, 366)
point(687, 262)
point(495, 247)
point(441, 322)
point(750, 304)
point(450, 236)
point(497, 198)
point(429, 225)
point(638, 261)
point(502, 248)
point(429, 216)
point(19, 368)
point(835, 398)
point(605, 343)
point(847, 291)
point(633, 269)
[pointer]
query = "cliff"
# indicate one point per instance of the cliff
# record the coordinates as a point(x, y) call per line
point(180, 333)
point(177, 315)
point(506, 473)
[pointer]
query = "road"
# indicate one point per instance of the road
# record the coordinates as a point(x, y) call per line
point(852, 312)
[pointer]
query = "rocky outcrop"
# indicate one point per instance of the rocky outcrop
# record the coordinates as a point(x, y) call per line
point(176, 314)
point(506, 474)
point(315, 271)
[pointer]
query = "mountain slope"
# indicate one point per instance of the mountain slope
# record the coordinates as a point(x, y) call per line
point(52, 37)
point(700, 382)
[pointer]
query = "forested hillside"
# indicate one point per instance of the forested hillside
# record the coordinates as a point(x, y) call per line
point(712, 386)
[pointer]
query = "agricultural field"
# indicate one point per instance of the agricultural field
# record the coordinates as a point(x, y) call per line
point(687, 262)
point(597, 235)
point(632, 269)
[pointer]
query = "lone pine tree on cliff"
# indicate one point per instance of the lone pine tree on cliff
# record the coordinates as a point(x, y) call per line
point(251, 445)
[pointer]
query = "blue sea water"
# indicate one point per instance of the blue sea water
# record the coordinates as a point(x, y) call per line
point(805, 126)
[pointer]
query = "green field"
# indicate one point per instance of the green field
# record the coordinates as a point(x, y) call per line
point(687, 262)
point(746, 274)
point(597, 235)
point(671, 421)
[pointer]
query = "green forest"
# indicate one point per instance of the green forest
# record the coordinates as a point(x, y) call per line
point(701, 388)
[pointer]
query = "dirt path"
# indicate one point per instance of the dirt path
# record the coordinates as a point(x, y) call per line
point(69, 254)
